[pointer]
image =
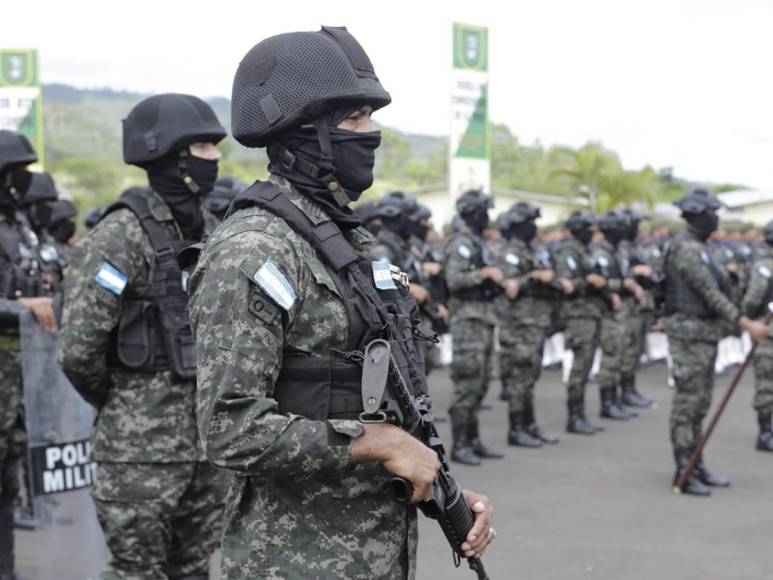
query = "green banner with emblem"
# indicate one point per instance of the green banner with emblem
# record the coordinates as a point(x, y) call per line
point(21, 100)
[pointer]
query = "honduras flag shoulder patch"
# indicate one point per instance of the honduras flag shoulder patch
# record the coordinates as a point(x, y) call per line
point(111, 278)
point(275, 284)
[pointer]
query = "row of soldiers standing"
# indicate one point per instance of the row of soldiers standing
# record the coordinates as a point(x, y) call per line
point(600, 286)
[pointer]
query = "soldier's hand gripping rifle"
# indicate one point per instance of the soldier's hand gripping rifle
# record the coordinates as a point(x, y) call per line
point(387, 399)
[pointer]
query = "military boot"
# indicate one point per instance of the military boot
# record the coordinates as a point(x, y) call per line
point(708, 478)
point(577, 422)
point(693, 485)
point(631, 396)
point(6, 540)
point(462, 451)
point(518, 435)
point(765, 439)
point(617, 400)
point(609, 410)
point(481, 450)
point(530, 423)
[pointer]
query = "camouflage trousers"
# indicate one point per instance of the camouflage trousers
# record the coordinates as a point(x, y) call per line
point(612, 342)
point(473, 344)
point(763, 371)
point(693, 372)
point(161, 520)
point(581, 337)
point(634, 341)
point(520, 360)
point(13, 441)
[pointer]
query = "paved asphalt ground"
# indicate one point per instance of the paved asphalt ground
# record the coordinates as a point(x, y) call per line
point(601, 507)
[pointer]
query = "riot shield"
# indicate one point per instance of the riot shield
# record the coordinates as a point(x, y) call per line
point(69, 544)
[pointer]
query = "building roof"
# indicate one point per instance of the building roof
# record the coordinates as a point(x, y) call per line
point(745, 197)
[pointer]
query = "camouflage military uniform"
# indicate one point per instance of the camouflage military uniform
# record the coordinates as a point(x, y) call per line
point(158, 501)
point(693, 339)
point(524, 324)
point(582, 313)
point(472, 322)
point(758, 294)
point(633, 312)
point(297, 507)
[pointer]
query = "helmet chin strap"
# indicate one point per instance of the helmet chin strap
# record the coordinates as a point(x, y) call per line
point(182, 166)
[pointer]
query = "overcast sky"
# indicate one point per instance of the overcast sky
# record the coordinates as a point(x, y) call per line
point(675, 83)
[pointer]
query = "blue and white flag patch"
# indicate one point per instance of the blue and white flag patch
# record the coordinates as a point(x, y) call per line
point(464, 252)
point(705, 258)
point(275, 284)
point(512, 259)
point(764, 271)
point(571, 263)
point(382, 275)
point(111, 278)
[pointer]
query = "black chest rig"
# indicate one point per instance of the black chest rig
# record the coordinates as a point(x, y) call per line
point(154, 332)
point(681, 298)
point(52, 264)
point(330, 387)
point(21, 274)
point(607, 265)
point(480, 257)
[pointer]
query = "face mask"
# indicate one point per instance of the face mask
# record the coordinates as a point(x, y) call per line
point(62, 231)
point(354, 156)
point(39, 215)
point(418, 229)
point(203, 172)
point(584, 236)
point(477, 221)
point(525, 232)
point(703, 223)
point(613, 236)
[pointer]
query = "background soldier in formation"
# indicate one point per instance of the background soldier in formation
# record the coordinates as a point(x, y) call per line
point(759, 294)
point(699, 312)
point(225, 191)
point(473, 282)
point(612, 330)
point(22, 285)
point(285, 299)
point(525, 316)
point(582, 310)
point(127, 349)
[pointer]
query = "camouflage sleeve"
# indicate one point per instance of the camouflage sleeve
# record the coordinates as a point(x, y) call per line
point(567, 266)
point(240, 334)
point(91, 311)
point(459, 270)
point(689, 263)
point(9, 313)
point(756, 290)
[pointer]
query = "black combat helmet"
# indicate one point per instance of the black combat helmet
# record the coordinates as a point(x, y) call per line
point(165, 123)
point(225, 191)
point(287, 80)
point(473, 200)
point(523, 212)
point(697, 201)
point(41, 189)
point(397, 203)
point(62, 209)
point(580, 220)
point(611, 221)
point(15, 150)
point(631, 221)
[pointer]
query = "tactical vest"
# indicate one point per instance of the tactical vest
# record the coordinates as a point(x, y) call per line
point(681, 298)
point(52, 265)
point(486, 290)
point(22, 276)
point(154, 332)
point(330, 387)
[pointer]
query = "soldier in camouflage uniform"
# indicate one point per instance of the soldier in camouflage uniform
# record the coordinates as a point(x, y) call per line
point(127, 348)
point(525, 316)
point(473, 282)
point(21, 286)
point(280, 324)
point(638, 307)
point(613, 328)
point(698, 314)
point(582, 309)
point(758, 297)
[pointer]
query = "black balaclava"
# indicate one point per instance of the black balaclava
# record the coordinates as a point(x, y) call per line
point(702, 224)
point(524, 231)
point(418, 228)
point(39, 215)
point(18, 179)
point(351, 162)
point(584, 235)
point(613, 235)
point(476, 220)
point(62, 230)
point(398, 225)
point(167, 178)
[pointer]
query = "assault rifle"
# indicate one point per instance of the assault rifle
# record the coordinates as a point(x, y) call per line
point(387, 399)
